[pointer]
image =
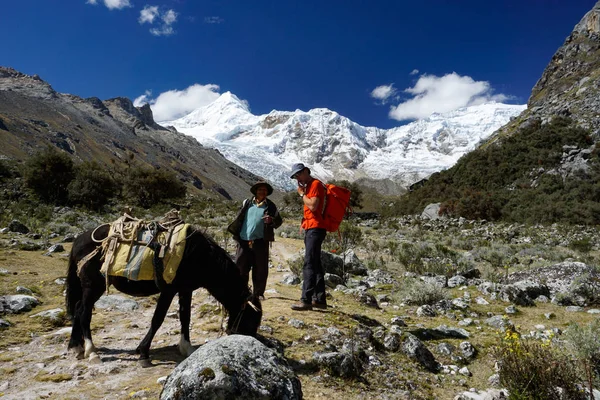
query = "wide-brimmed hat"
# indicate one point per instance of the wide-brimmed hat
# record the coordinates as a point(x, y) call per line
point(258, 184)
point(299, 167)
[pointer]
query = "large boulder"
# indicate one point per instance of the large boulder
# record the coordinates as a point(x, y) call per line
point(568, 279)
point(18, 303)
point(432, 211)
point(233, 367)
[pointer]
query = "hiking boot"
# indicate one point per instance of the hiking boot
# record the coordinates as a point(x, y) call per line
point(322, 306)
point(302, 307)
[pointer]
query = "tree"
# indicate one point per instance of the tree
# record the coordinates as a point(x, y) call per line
point(147, 187)
point(48, 174)
point(92, 187)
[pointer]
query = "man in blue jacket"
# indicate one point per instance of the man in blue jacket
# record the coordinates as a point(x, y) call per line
point(253, 229)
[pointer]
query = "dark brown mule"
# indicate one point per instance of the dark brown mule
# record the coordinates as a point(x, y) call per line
point(204, 264)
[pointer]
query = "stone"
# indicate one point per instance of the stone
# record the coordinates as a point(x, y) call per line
point(499, 322)
point(18, 227)
point(468, 350)
point(431, 212)
point(574, 309)
point(511, 310)
point(446, 349)
point(457, 280)
point(115, 301)
point(296, 323)
point(341, 364)
point(332, 280)
point(233, 367)
point(416, 350)
point(56, 314)
point(15, 304)
point(290, 279)
point(391, 342)
point(426, 311)
point(24, 290)
point(465, 371)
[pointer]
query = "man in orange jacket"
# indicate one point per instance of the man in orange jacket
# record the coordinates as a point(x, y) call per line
point(312, 192)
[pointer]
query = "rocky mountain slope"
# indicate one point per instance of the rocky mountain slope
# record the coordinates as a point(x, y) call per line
point(33, 115)
point(336, 147)
point(543, 166)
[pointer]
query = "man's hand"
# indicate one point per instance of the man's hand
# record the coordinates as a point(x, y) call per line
point(268, 219)
point(301, 191)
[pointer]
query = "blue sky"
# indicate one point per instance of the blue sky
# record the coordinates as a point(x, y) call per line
point(178, 54)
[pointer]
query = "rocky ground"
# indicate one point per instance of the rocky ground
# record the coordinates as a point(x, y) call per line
point(378, 339)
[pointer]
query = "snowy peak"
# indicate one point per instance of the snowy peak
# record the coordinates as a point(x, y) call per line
point(335, 146)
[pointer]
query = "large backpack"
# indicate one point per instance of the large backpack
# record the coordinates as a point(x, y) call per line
point(337, 201)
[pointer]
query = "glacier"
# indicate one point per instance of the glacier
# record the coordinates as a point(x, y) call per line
point(334, 147)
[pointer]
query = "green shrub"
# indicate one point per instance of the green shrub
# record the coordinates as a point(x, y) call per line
point(416, 292)
point(584, 342)
point(583, 245)
point(92, 187)
point(537, 370)
point(147, 187)
point(48, 175)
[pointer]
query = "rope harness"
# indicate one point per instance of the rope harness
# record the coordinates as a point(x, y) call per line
point(125, 230)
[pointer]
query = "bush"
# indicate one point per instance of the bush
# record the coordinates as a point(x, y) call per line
point(147, 187)
point(585, 344)
point(423, 258)
point(417, 292)
point(92, 187)
point(535, 370)
point(48, 174)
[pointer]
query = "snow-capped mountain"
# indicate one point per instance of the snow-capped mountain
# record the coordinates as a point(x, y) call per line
point(333, 146)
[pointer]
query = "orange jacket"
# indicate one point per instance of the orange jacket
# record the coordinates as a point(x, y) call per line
point(314, 220)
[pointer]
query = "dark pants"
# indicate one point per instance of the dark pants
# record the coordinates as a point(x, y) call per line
point(313, 288)
point(257, 259)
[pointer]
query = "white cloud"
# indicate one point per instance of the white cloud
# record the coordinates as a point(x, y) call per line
point(442, 94)
point(383, 92)
point(213, 20)
point(414, 72)
point(148, 14)
point(117, 4)
point(168, 18)
point(112, 4)
point(173, 104)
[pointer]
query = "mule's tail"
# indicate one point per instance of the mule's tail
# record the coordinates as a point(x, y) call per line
point(74, 291)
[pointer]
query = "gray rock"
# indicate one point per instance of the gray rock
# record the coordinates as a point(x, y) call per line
point(432, 211)
point(593, 311)
point(494, 380)
point(446, 349)
point(4, 324)
point(416, 350)
point(457, 280)
point(24, 290)
point(290, 279)
point(296, 323)
point(69, 237)
point(574, 309)
point(426, 311)
point(332, 280)
point(115, 301)
point(481, 301)
point(231, 367)
point(459, 304)
point(550, 315)
point(57, 248)
point(18, 227)
point(511, 310)
point(465, 371)
point(15, 304)
point(468, 350)
point(353, 265)
point(345, 365)
point(4, 272)
point(60, 281)
point(398, 321)
point(499, 322)
point(440, 280)
point(391, 342)
point(55, 314)
point(466, 322)
point(380, 277)
point(367, 299)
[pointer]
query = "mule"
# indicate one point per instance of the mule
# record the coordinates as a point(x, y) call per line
point(204, 264)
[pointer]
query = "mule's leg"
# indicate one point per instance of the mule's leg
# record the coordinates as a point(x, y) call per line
point(162, 306)
point(76, 341)
point(90, 296)
point(185, 310)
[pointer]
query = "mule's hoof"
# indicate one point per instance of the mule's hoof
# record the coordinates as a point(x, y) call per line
point(95, 359)
point(145, 362)
point(78, 352)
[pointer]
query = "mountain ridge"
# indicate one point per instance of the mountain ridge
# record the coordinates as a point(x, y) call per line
point(336, 147)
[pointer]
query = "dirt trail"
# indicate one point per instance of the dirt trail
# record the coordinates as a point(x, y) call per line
point(42, 369)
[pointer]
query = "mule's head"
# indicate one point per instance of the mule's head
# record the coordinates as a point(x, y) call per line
point(246, 319)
